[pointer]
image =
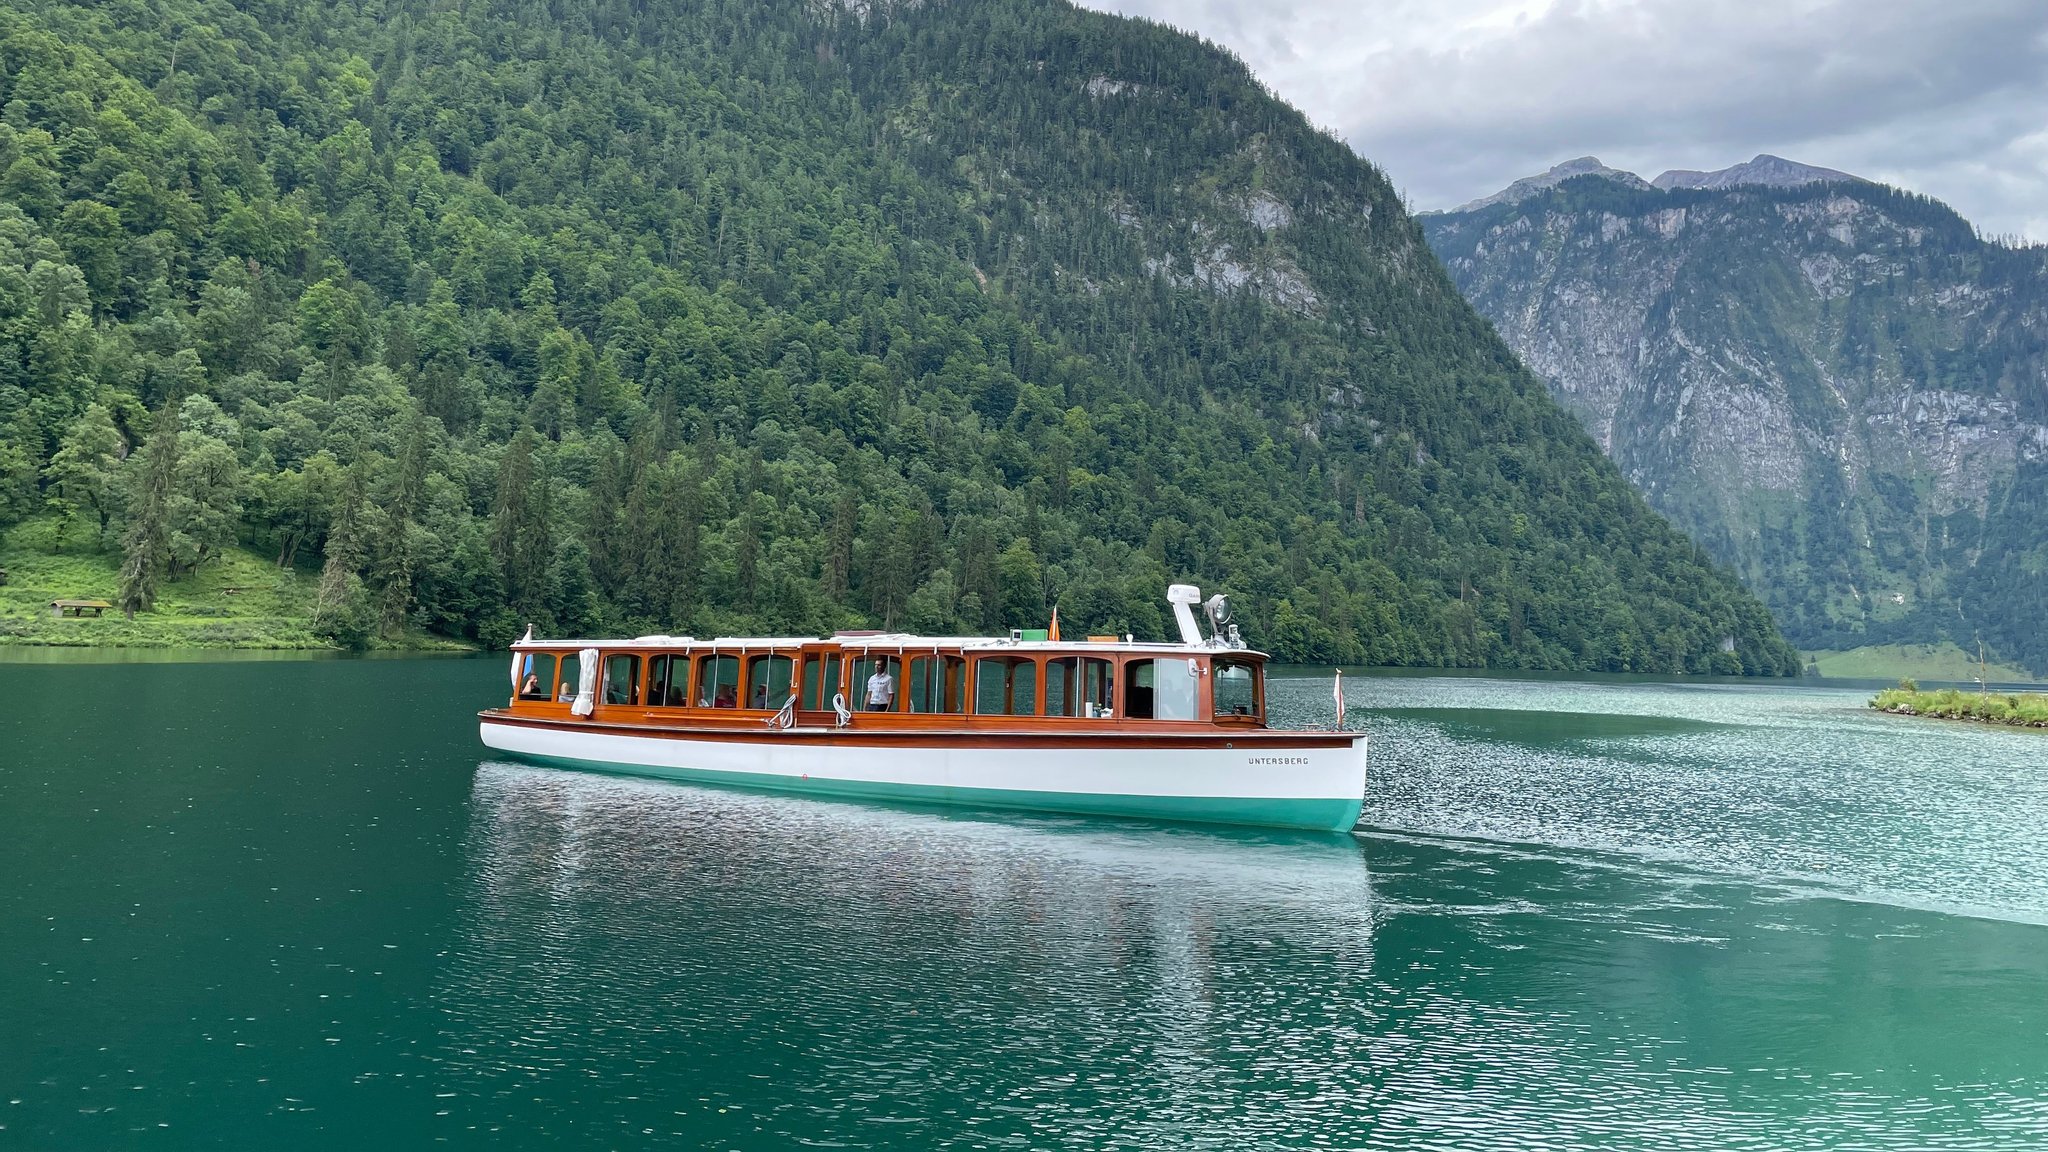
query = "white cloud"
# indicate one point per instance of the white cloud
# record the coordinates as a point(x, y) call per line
point(1455, 98)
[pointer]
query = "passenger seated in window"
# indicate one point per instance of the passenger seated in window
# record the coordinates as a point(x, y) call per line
point(530, 687)
point(728, 697)
point(566, 693)
point(761, 697)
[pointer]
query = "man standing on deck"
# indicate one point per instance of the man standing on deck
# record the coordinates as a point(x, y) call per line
point(881, 689)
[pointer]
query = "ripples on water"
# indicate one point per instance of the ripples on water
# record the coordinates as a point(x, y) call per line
point(749, 970)
point(1803, 788)
point(1580, 917)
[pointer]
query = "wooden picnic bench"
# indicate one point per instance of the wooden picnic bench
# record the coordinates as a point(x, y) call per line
point(78, 607)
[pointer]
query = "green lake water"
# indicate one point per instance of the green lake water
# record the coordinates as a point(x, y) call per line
point(296, 905)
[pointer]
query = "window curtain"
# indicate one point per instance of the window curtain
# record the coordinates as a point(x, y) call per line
point(586, 682)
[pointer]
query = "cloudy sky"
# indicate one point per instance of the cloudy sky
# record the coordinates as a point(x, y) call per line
point(1456, 98)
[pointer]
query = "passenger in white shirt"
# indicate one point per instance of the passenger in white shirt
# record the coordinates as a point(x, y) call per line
point(881, 690)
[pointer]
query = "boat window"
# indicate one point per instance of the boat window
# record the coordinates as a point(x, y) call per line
point(866, 667)
point(1138, 689)
point(1006, 686)
point(668, 681)
point(768, 679)
point(621, 679)
point(1024, 688)
point(1160, 689)
point(1173, 689)
point(537, 676)
point(718, 682)
point(1235, 686)
point(938, 684)
point(570, 680)
point(1079, 686)
point(821, 680)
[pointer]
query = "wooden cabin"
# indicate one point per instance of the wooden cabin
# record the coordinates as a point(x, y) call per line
point(939, 684)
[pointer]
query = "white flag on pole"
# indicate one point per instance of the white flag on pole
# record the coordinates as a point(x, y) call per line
point(1337, 693)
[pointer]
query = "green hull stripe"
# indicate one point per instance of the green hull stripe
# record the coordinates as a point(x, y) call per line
point(1335, 815)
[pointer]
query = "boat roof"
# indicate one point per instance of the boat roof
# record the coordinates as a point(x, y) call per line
point(896, 642)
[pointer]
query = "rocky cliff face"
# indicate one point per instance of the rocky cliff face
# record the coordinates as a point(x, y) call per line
point(1836, 387)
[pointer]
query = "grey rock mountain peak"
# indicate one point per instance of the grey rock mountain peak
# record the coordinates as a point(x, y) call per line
point(1837, 388)
point(1766, 169)
point(1529, 186)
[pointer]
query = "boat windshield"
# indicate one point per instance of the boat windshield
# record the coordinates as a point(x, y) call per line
point(1235, 686)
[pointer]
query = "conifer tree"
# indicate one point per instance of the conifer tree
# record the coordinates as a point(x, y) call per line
point(839, 549)
point(337, 606)
point(146, 548)
point(398, 543)
point(521, 533)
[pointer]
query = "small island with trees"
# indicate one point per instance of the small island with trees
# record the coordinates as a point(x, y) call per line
point(2021, 710)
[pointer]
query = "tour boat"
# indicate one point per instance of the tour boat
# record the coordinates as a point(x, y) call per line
point(1109, 725)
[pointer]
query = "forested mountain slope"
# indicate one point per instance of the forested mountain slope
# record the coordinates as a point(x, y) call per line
point(779, 317)
point(1839, 388)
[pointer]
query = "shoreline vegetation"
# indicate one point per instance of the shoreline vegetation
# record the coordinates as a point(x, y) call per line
point(238, 601)
point(2013, 709)
point(1946, 662)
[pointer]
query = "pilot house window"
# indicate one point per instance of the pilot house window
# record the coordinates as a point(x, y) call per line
point(1159, 689)
point(1235, 686)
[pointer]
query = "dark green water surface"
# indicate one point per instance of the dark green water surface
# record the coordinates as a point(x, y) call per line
point(295, 905)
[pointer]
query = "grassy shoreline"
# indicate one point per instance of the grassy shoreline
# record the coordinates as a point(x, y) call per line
point(1945, 661)
point(2011, 709)
point(240, 601)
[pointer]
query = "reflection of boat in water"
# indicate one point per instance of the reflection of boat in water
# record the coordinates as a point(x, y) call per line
point(661, 951)
point(575, 824)
point(1105, 726)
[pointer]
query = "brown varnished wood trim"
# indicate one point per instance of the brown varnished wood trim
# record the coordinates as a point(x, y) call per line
point(752, 732)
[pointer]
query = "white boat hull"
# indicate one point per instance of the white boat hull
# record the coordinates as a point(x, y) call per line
point(1317, 782)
